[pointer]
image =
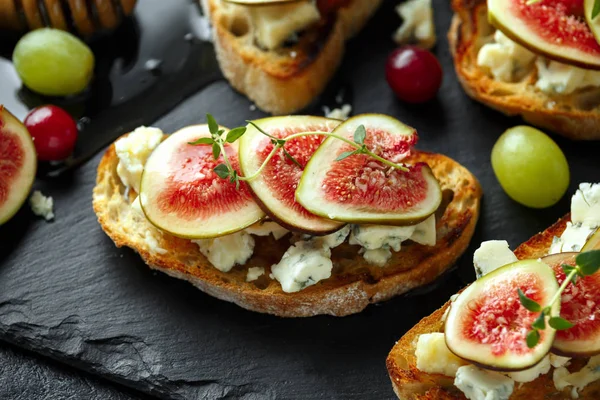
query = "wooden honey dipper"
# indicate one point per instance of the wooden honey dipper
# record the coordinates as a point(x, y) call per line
point(82, 17)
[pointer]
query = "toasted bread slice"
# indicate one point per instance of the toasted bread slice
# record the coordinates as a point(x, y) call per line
point(576, 116)
point(354, 284)
point(412, 384)
point(286, 80)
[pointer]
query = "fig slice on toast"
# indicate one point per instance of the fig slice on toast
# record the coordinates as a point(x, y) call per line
point(18, 164)
point(593, 243)
point(361, 189)
point(487, 324)
point(274, 188)
point(181, 194)
point(580, 306)
point(553, 28)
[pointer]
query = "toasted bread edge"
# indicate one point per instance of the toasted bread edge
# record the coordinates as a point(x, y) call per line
point(520, 99)
point(284, 90)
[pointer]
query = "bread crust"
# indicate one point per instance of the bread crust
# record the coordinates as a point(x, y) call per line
point(576, 116)
point(286, 80)
point(412, 384)
point(354, 284)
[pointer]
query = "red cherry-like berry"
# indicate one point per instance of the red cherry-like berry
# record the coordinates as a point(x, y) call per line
point(54, 132)
point(414, 74)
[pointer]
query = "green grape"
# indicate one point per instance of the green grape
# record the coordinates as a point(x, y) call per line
point(530, 167)
point(53, 62)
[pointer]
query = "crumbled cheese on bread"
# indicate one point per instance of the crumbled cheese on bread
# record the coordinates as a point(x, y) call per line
point(227, 251)
point(304, 264)
point(585, 205)
point(480, 384)
point(559, 361)
point(531, 374)
point(377, 241)
point(585, 219)
point(417, 23)
point(434, 357)
point(42, 206)
point(274, 25)
point(507, 61)
point(133, 152)
point(492, 255)
point(577, 380)
point(558, 78)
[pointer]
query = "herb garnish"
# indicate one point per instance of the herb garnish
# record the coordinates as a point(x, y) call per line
point(226, 171)
point(587, 263)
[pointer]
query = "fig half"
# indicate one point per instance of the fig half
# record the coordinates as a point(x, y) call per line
point(275, 186)
point(580, 306)
point(181, 194)
point(552, 28)
point(360, 189)
point(18, 163)
point(487, 324)
point(593, 243)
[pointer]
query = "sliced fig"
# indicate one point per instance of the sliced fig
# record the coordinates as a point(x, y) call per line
point(361, 189)
point(593, 23)
point(487, 324)
point(18, 164)
point(593, 243)
point(554, 28)
point(580, 305)
point(181, 194)
point(276, 185)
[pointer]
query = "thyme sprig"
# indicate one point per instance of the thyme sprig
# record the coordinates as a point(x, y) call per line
point(587, 263)
point(226, 171)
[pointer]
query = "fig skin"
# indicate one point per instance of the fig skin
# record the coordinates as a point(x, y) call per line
point(275, 209)
point(593, 242)
point(291, 228)
point(537, 49)
point(588, 6)
point(192, 133)
point(309, 195)
point(455, 342)
point(6, 118)
point(559, 259)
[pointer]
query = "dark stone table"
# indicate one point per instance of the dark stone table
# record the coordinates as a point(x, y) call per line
point(68, 294)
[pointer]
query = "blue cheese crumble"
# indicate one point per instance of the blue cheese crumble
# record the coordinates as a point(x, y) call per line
point(378, 241)
point(479, 384)
point(585, 219)
point(303, 265)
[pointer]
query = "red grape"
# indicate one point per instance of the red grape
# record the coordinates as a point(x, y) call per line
point(414, 74)
point(54, 132)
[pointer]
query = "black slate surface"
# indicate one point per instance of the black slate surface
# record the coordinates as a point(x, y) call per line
point(68, 293)
point(27, 376)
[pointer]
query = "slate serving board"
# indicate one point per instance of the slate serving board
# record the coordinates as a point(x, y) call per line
point(68, 293)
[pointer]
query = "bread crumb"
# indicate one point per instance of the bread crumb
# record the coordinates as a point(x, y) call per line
point(41, 205)
point(252, 107)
